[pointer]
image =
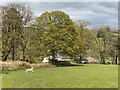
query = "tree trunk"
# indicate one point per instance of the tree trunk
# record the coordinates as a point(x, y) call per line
point(23, 50)
point(113, 60)
point(80, 58)
point(53, 61)
point(13, 53)
point(53, 54)
point(116, 60)
point(119, 58)
point(119, 61)
point(4, 56)
point(24, 56)
point(102, 58)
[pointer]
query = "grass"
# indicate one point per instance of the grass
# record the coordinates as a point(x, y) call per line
point(86, 76)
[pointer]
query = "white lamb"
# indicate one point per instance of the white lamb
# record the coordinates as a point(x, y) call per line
point(29, 70)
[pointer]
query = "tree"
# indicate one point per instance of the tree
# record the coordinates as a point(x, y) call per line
point(105, 42)
point(57, 32)
point(35, 49)
point(118, 47)
point(14, 18)
point(85, 36)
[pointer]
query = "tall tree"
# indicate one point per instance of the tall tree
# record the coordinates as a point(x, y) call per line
point(85, 36)
point(57, 32)
point(14, 19)
point(104, 42)
point(118, 47)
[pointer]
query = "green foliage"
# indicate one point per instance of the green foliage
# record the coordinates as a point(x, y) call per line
point(14, 19)
point(85, 39)
point(57, 32)
point(11, 31)
point(53, 33)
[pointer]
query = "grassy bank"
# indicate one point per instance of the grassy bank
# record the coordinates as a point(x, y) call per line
point(86, 76)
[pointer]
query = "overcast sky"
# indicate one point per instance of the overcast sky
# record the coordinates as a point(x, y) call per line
point(97, 13)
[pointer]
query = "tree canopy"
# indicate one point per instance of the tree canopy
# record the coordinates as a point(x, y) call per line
point(57, 31)
point(54, 33)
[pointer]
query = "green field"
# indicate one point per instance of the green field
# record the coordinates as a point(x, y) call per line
point(86, 76)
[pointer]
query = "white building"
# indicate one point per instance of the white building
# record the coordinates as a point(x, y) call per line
point(45, 60)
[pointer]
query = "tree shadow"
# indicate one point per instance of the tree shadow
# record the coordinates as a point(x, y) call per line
point(4, 72)
point(75, 65)
point(70, 65)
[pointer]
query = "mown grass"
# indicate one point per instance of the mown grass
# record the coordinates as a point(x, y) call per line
point(86, 76)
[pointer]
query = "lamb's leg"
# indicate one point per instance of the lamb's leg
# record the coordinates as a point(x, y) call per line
point(27, 71)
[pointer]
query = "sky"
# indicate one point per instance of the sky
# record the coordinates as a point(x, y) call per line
point(97, 13)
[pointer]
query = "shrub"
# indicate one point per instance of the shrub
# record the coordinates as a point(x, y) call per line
point(20, 64)
point(14, 65)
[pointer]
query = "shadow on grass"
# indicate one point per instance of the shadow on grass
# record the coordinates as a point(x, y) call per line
point(5, 72)
point(70, 65)
point(75, 65)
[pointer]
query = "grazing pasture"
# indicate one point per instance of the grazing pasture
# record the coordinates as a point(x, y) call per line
point(79, 76)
